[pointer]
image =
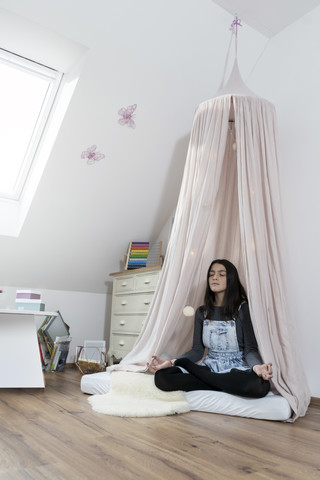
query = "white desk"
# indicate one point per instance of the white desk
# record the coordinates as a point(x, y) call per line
point(20, 362)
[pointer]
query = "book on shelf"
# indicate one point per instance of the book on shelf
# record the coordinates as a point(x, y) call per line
point(62, 360)
point(54, 341)
point(45, 345)
point(60, 353)
point(54, 358)
point(56, 327)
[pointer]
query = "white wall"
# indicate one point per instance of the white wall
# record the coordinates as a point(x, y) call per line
point(87, 314)
point(165, 56)
point(288, 75)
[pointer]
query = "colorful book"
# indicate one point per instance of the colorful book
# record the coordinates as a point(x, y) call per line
point(56, 355)
point(63, 349)
point(60, 353)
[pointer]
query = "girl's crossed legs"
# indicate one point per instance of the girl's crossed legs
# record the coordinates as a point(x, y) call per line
point(245, 383)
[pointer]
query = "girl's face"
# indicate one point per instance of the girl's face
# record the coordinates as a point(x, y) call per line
point(218, 278)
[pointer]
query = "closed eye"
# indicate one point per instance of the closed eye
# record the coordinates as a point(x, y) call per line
point(222, 273)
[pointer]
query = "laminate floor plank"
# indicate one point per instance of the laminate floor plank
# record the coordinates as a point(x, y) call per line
point(53, 433)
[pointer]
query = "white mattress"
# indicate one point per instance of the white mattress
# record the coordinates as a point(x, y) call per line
point(271, 407)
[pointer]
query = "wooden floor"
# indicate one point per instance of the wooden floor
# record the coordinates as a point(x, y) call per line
point(54, 434)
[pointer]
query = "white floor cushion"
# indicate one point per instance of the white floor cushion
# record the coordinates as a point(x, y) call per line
point(95, 383)
point(271, 407)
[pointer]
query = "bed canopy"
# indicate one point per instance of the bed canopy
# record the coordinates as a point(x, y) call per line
point(229, 207)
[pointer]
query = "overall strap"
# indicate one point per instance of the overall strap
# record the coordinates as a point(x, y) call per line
point(236, 315)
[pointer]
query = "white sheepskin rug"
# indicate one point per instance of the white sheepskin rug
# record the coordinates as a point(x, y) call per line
point(135, 395)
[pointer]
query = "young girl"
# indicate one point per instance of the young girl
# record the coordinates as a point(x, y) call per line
point(223, 326)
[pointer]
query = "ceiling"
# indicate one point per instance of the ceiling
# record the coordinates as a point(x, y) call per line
point(268, 17)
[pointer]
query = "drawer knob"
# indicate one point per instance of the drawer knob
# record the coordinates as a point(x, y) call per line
point(122, 322)
point(124, 302)
point(146, 302)
point(123, 284)
point(121, 343)
point(147, 281)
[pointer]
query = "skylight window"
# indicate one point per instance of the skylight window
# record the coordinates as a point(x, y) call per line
point(27, 93)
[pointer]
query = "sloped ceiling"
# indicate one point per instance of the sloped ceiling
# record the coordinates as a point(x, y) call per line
point(268, 17)
point(166, 57)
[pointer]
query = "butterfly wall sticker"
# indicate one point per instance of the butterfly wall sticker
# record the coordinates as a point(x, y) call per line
point(91, 155)
point(127, 114)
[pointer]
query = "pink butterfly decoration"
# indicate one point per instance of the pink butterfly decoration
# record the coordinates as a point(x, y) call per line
point(92, 155)
point(127, 114)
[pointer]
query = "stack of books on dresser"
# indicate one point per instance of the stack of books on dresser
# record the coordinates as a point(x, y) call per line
point(29, 300)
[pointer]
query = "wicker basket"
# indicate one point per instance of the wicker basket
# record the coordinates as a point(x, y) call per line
point(90, 360)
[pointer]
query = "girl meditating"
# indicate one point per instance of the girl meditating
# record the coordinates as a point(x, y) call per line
point(223, 326)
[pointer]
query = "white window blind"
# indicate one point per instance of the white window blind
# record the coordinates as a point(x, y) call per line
point(27, 94)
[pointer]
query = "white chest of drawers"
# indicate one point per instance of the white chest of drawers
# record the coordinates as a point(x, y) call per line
point(132, 294)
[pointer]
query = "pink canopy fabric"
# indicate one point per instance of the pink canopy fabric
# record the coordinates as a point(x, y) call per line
point(229, 207)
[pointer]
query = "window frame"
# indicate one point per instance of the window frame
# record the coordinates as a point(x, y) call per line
point(54, 78)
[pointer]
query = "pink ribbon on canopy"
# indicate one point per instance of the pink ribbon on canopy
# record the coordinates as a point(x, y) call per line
point(235, 24)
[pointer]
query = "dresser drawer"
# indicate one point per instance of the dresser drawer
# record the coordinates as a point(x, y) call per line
point(133, 292)
point(127, 323)
point(138, 303)
point(122, 343)
point(147, 281)
point(123, 284)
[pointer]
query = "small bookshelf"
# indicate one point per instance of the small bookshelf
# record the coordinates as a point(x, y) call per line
point(54, 342)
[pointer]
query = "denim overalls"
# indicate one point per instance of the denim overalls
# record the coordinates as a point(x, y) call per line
point(220, 337)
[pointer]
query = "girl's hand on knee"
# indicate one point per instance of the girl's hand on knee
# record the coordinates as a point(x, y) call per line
point(158, 363)
point(264, 371)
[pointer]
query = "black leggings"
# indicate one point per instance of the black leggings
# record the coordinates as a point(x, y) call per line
point(245, 383)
